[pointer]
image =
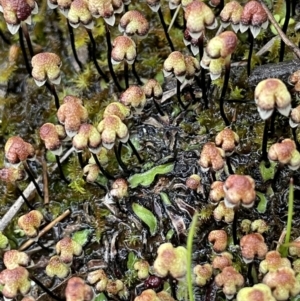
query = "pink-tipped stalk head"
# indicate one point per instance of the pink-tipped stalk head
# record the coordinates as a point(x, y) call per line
point(272, 93)
point(124, 48)
point(72, 114)
point(16, 11)
point(46, 65)
point(254, 16)
point(134, 23)
point(199, 16)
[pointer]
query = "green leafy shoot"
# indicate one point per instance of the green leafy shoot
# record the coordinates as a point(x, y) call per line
point(267, 173)
point(262, 205)
point(165, 199)
point(131, 274)
point(190, 239)
point(82, 236)
point(146, 216)
point(132, 259)
point(284, 248)
point(146, 178)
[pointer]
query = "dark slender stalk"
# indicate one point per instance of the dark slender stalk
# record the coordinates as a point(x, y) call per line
point(223, 93)
point(200, 45)
point(203, 72)
point(229, 165)
point(213, 175)
point(135, 151)
point(251, 42)
point(27, 38)
point(104, 172)
point(126, 75)
point(158, 108)
point(284, 27)
point(179, 95)
point(61, 172)
point(4, 38)
point(80, 159)
point(249, 273)
point(234, 228)
point(72, 40)
point(110, 65)
point(163, 23)
point(118, 156)
point(265, 143)
point(136, 74)
point(45, 289)
point(22, 45)
point(52, 90)
point(24, 197)
point(31, 177)
point(101, 73)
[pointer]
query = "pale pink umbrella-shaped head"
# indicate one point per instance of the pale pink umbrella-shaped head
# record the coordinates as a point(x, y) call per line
point(30, 222)
point(227, 139)
point(56, 267)
point(257, 292)
point(211, 156)
point(134, 97)
point(112, 128)
point(72, 114)
point(231, 14)
point(283, 283)
point(133, 23)
point(230, 280)
point(152, 88)
point(222, 45)
point(46, 65)
point(199, 16)
point(16, 11)
point(254, 16)
point(239, 189)
point(87, 137)
point(272, 93)
point(52, 135)
point(285, 152)
point(124, 48)
point(77, 290)
point(14, 258)
point(79, 13)
point(175, 64)
point(17, 150)
point(15, 281)
point(12, 174)
point(253, 245)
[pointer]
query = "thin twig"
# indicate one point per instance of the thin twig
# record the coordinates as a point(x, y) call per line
point(31, 241)
point(284, 38)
